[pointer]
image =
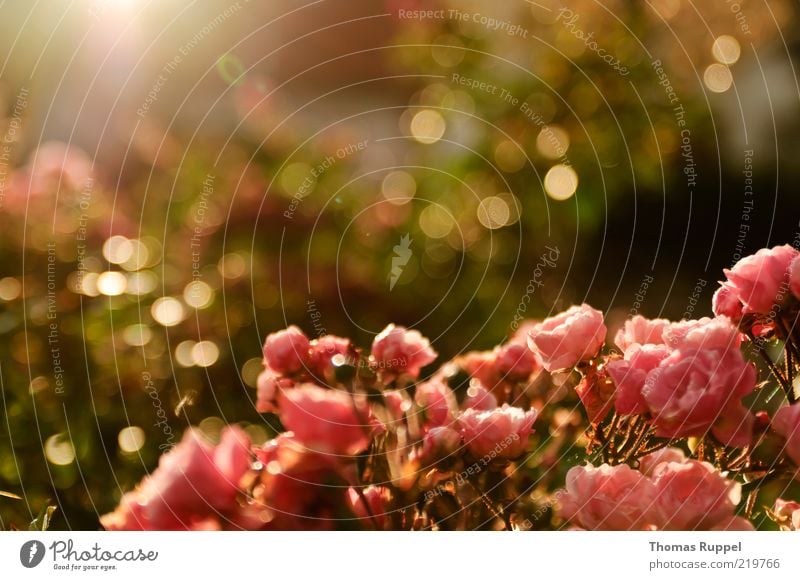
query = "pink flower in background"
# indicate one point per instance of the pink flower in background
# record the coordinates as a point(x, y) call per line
point(481, 366)
point(286, 351)
point(299, 489)
point(195, 486)
point(608, 498)
point(696, 391)
point(649, 462)
point(437, 403)
point(514, 361)
point(786, 423)
point(693, 495)
point(326, 420)
point(268, 385)
point(725, 302)
point(500, 433)
point(566, 339)
point(630, 374)
point(758, 280)
point(396, 404)
point(323, 349)
point(640, 330)
point(703, 333)
point(794, 277)
point(401, 351)
point(439, 444)
point(789, 513)
point(479, 398)
point(378, 499)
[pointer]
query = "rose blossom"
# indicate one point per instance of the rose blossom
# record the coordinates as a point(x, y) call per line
point(629, 375)
point(500, 433)
point(703, 333)
point(757, 280)
point(787, 424)
point(479, 398)
point(694, 391)
point(437, 403)
point(608, 498)
point(439, 444)
point(725, 302)
point(564, 340)
point(323, 349)
point(326, 420)
point(299, 489)
point(514, 361)
point(401, 351)
point(377, 498)
point(268, 385)
point(693, 495)
point(195, 484)
point(789, 514)
point(640, 330)
point(286, 351)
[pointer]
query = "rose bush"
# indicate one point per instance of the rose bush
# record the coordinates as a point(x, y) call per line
point(680, 433)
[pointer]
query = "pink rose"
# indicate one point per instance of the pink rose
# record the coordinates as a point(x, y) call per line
point(758, 280)
point(794, 277)
point(694, 391)
point(500, 433)
point(787, 424)
point(608, 498)
point(326, 420)
point(725, 302)
point(514, 362)
point(630, 374)
point(640, 330)
point(479, 398)
point(396, 403)
point(788, 513)
point(378, 499)
point(704, 333)
point(439, 444)
point(194, 487)
point(649, 462)
point(324, 349)
point(482, 366)
point(286, 351)
point(564, 340)
point(299, 489)
point(268, 385)
point(397, 350)
point(693, 495)
point(437, 403)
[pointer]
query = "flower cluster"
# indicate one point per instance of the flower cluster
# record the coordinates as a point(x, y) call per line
point(678, 432)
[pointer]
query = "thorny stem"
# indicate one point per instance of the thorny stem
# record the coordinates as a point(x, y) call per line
point(787, 388)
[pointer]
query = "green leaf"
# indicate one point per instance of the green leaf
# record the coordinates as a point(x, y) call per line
point(9, 494)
